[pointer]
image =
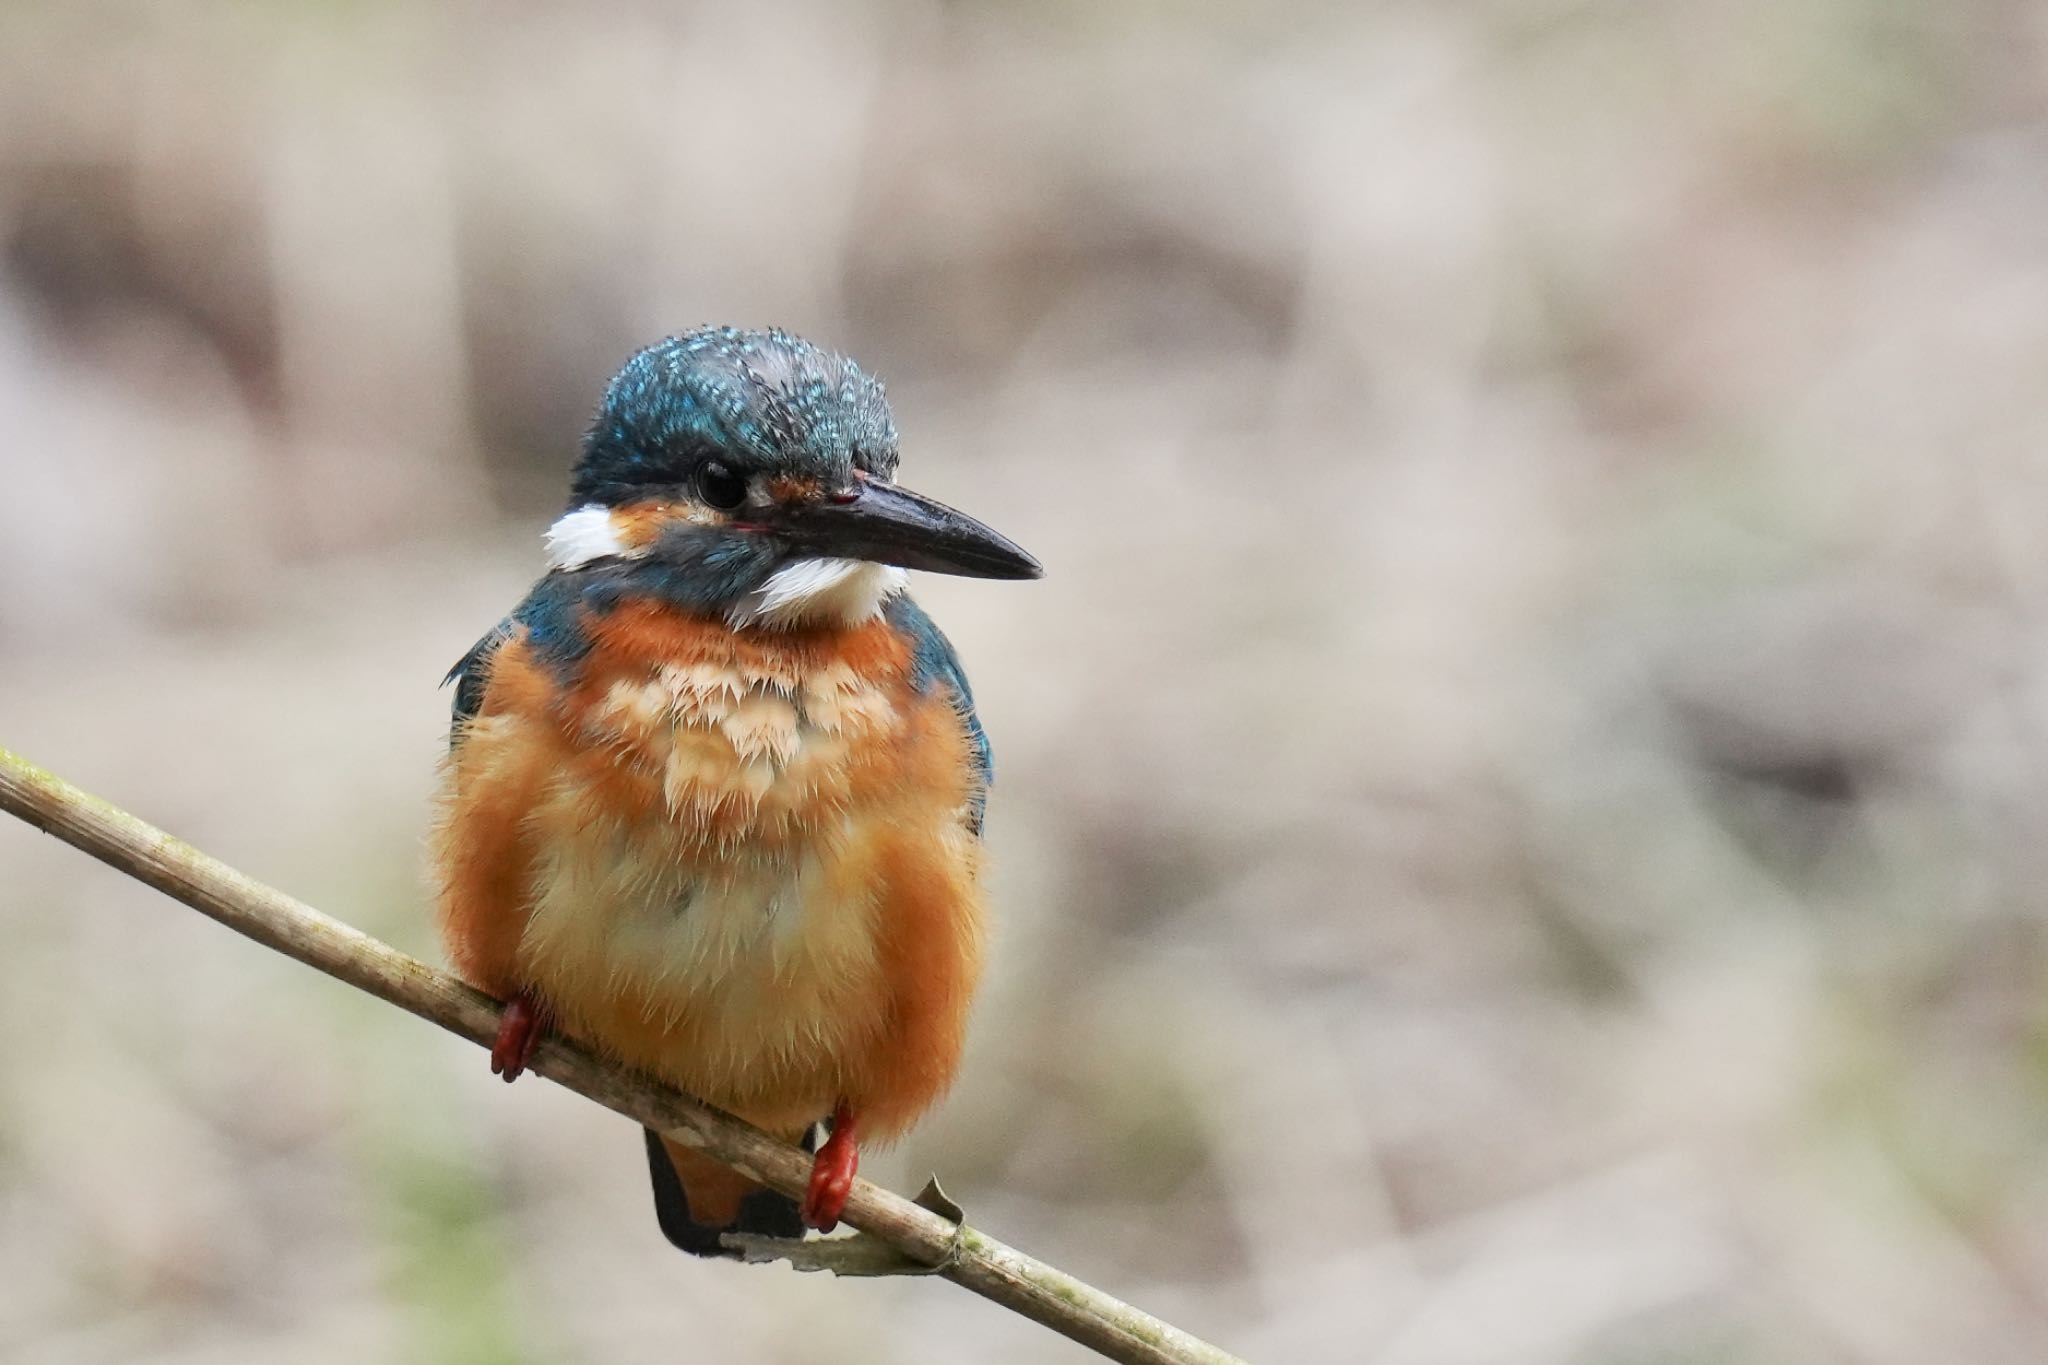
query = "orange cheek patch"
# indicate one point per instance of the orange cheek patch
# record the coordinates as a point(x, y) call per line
point(638, 525)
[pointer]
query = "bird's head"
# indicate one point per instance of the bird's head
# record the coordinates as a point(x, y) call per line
point(754, 474)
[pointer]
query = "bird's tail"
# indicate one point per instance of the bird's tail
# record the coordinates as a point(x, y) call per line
point(696, 1200)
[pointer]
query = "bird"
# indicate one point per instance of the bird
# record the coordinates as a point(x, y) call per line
point(714, 790)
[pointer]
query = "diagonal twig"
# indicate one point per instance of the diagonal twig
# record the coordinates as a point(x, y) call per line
point(953, 1250)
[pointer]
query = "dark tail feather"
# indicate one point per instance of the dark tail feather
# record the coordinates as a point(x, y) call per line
point(764, 1212)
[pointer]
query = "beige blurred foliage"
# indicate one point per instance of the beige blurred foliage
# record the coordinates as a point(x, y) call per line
point(1520, 802)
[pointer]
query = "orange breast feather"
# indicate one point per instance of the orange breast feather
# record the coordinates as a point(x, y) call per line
point(738, 861)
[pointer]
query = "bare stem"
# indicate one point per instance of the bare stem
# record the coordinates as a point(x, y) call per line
point(956, 1252)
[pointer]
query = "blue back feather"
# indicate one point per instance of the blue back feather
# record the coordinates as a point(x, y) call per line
point(934, 665)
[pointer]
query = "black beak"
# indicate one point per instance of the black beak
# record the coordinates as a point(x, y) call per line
point(891, 525)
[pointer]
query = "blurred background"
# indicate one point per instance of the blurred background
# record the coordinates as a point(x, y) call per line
point(1519, 823)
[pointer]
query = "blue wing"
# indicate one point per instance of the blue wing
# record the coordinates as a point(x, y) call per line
point(934, 666)
point(470, 673)
point(552, 617)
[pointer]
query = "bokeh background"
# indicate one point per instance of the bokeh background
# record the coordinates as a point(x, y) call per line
point(1519, 823)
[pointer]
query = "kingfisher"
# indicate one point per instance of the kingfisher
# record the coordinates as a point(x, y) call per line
point(714, 792)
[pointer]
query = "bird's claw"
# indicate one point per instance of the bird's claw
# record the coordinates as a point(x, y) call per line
point(520, 1028)
point(832, 1172)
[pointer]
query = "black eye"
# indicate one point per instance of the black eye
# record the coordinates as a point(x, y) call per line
point(720, 487)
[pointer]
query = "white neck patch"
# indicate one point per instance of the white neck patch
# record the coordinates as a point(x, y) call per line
point(583, 535)
point(806, 592)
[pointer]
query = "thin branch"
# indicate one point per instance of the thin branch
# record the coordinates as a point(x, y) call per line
point(951, 1249)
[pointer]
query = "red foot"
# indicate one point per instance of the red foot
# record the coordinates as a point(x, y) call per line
point(520, 1029)
point(832, 1174)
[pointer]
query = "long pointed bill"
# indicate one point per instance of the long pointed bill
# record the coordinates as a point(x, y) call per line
point(890, 525)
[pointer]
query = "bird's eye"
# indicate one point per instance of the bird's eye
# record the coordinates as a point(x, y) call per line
point(720, 487)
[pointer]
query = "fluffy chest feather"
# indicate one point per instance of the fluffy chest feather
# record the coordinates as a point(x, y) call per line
point(710, 867)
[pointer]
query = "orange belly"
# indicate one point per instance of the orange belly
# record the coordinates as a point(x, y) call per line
point(739, 862)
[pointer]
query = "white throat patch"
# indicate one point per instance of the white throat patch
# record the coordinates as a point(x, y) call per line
point(583, 535)
point(844, 592)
